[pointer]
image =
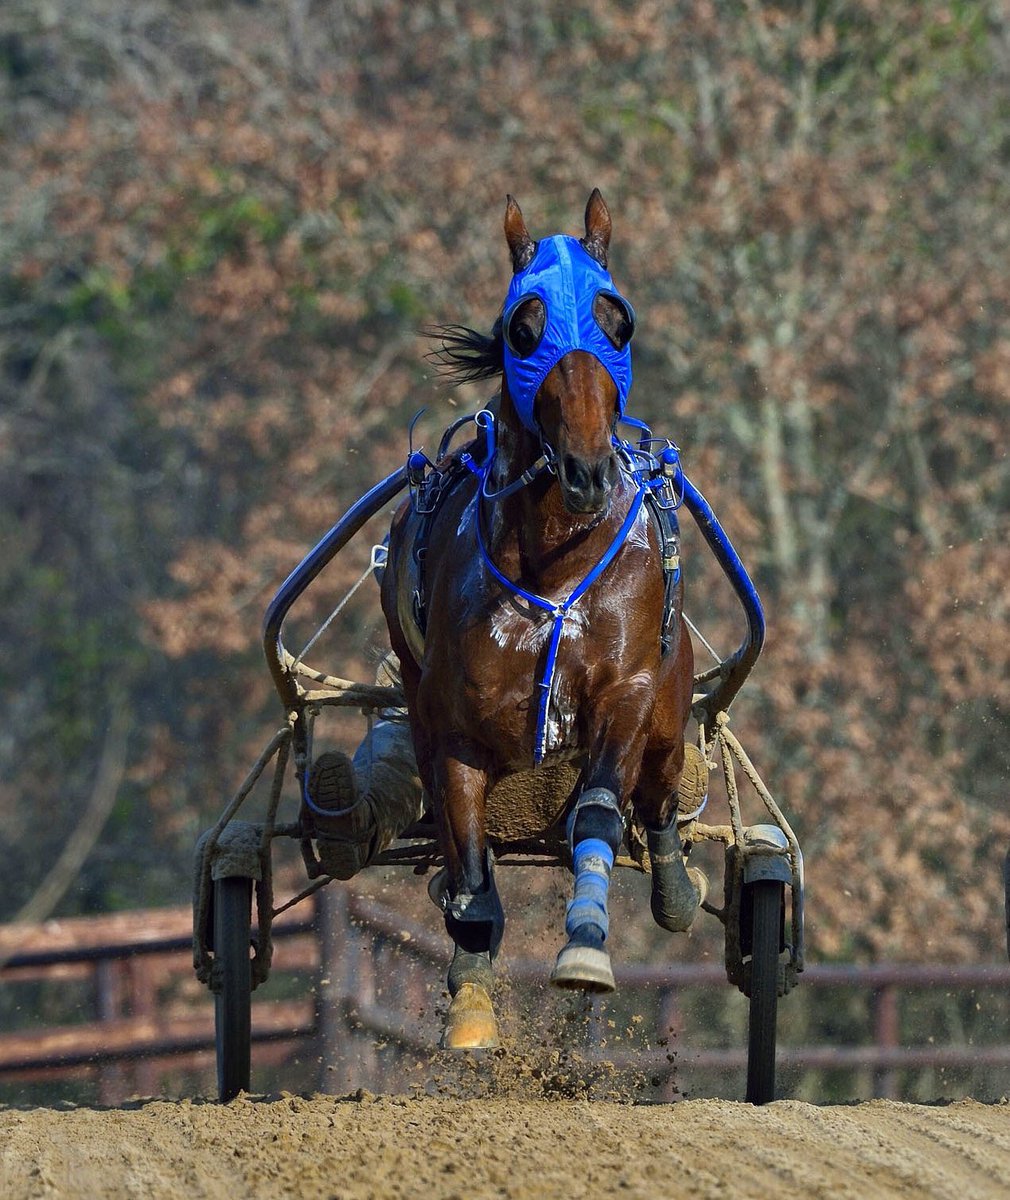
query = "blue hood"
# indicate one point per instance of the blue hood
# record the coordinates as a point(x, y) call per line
point(567, 279)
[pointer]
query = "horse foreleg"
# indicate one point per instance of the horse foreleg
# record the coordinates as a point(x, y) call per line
point(595, 831)
point(474, 918)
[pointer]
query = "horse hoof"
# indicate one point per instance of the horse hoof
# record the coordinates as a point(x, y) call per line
point(699, 881)
point(470, 1023)
point(677, 899)
point(584, 967)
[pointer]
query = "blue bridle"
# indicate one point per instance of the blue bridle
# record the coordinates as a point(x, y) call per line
point(568, 280)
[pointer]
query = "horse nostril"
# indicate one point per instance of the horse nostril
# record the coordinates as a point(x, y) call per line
point(605, 474)
point(587, 484)
point(576, 473)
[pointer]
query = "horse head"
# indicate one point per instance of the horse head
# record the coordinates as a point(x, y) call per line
point(566, 332)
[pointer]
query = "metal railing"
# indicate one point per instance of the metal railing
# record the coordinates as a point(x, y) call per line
point(351, 954)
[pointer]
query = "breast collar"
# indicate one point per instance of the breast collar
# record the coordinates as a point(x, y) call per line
point(567, 279)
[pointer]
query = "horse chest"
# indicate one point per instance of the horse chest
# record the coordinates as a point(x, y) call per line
point(501, 670)
point(516, 632)
point(519, 641)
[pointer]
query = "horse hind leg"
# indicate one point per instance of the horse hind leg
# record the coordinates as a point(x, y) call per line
point(475, 921)
point(671, 790)
point(596, 828)
point(678, 890)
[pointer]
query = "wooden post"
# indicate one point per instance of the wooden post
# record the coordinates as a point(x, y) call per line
point(887, 1036)
point(364, 1063)
point(346, 983)
point(108, 981)
point(141, 1001)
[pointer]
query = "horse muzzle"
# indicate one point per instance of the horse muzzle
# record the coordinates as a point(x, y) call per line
point(586, 487)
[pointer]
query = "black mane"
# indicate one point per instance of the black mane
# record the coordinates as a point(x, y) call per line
point(464, 355)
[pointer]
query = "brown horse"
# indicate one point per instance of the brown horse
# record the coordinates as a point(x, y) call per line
point(549, 634)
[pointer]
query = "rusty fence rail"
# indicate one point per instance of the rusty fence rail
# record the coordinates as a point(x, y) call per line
point(367, 971)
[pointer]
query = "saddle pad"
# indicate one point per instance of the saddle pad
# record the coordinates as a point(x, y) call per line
point(531, 803)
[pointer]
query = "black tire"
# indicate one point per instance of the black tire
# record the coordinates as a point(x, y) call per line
point(232, 1002)
point(766, 905)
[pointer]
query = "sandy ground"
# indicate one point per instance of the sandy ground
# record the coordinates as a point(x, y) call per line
point(364, 1146)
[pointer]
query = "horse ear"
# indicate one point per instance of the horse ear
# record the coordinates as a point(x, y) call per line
point(521, 245)
point(598, 228)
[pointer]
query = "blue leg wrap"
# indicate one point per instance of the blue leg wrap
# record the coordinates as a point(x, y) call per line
point(593, 860)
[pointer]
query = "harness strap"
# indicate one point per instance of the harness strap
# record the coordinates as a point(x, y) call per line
point(436, 488)
point(559, 611)
point(668, 531)
point(544, 463)
point(485, 420)
point(654, 480)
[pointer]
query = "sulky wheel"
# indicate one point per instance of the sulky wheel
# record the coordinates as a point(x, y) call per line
point(232, 999)
point(766, 905)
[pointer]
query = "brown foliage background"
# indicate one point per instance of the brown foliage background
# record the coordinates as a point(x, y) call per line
point(223, 225)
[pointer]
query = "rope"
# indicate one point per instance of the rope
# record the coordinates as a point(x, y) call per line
point(731, 743)
point(201, 899)
point(302, 895)
point(333, 615)
point(701, 638)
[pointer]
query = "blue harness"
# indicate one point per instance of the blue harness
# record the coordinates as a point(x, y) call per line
point(568, 280)
point(558, 611)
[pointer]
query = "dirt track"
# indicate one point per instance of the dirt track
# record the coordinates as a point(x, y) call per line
point(328, 1147)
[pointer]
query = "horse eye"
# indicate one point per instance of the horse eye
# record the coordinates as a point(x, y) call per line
point(615, 318)
point(525, 327)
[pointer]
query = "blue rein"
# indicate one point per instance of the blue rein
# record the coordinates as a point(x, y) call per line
point(484, 420)
point(558, 611)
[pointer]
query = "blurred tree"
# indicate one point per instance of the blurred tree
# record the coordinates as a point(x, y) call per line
point(223, 226)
